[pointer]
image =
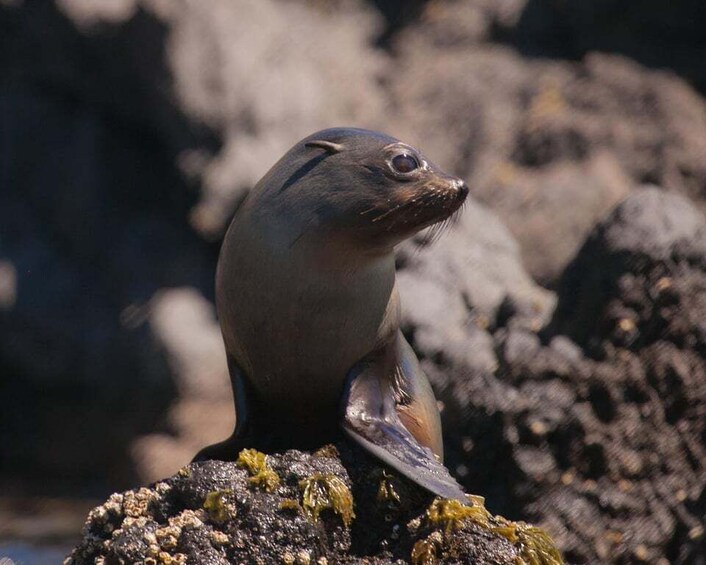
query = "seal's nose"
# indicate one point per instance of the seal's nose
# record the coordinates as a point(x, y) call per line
point(462, 189)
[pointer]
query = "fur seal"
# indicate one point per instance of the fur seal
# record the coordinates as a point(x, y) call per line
point(309, 311)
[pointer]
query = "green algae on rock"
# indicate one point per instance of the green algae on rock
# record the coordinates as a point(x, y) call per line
point(425, 551)
point(290, 504)
point(322, 492)
point(328, 450)
point(256, 463)
point(534, 544)
point(191, 517)
point(217, 505)
point(387, 494)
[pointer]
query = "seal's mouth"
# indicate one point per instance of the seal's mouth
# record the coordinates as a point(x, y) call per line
point(432, 202)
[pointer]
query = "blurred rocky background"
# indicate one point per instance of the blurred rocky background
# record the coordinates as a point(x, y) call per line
point(562, 320)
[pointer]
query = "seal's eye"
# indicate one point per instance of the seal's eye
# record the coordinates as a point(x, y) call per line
point(404, 163)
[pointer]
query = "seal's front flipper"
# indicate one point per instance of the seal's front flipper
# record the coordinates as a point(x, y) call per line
point(229, 449)
point(380, 390)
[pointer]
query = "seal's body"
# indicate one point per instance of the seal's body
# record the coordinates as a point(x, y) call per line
point(306, 297)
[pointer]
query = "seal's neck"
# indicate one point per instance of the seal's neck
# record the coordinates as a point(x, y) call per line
point(332, 253)
point(321, 248)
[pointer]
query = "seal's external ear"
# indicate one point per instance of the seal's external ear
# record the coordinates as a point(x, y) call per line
point(328, 146)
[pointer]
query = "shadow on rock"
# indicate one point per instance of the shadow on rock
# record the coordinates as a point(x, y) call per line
point(93, 221)
point(655, 34)
point(593, 427)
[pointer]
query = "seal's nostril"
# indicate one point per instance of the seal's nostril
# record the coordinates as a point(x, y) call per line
point(462, 189)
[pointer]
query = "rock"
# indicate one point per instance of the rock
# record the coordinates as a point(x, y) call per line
point(93, 220)
point(656, 35)
point(283, 70)
point(645, 243)
point(299, 507)
point(478, 262)
point(131, 129)
point(184, 322)
point(593, 420)
point(455, 293)
point(550, 145)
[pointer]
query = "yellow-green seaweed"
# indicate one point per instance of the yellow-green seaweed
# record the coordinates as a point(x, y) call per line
point(322, 491)
point(451, 514)
point(290, 504)
point(217, 506)
point(535, 545)
point(262, 475)
point(386, 491)
point(424, 552)
point(329, 450)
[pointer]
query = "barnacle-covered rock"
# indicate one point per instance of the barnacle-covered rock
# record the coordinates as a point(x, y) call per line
point(332, 506)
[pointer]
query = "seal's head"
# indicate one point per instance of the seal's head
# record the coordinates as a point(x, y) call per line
point(369, 187)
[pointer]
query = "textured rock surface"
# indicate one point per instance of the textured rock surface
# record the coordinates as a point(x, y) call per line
point(658, 35)
point(551, 146)
point(597, 421)
point(130, 130)
point(314, 508)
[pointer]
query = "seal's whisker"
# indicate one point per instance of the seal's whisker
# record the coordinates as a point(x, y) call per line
point(437, 231)
point(396, 208)
point(371, 209)
point(429, 235)
point(422, 201)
